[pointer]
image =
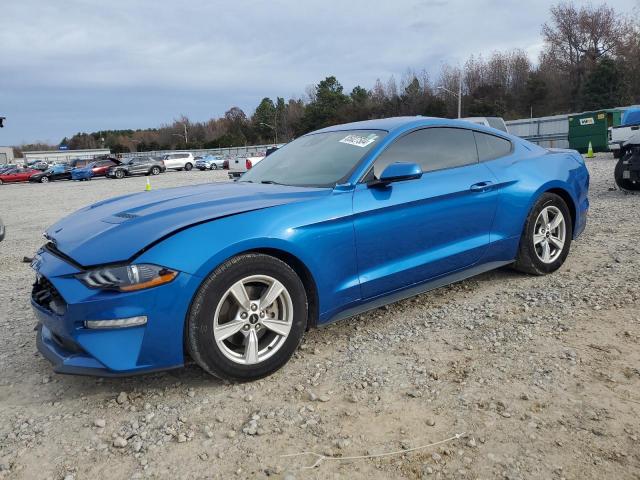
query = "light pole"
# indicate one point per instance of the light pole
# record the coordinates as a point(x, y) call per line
point(181, 136)
point(185, 136)
point(273, 128)
point(459, 95)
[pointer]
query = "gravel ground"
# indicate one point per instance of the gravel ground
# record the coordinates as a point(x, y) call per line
point(541, 374)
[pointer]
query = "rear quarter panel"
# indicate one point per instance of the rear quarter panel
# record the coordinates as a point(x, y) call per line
point(524, 176)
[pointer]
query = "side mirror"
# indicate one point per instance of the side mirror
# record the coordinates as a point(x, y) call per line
point(398, 172)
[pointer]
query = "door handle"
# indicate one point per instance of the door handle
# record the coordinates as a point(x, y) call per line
point(481, 186)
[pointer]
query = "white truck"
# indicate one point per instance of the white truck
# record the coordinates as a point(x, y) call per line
point(619, 136)
point(492, 122)
point(239, 165)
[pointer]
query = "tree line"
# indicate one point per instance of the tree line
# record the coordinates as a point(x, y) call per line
point(590, 60)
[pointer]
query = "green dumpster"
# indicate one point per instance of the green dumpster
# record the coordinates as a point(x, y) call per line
point(592, 127)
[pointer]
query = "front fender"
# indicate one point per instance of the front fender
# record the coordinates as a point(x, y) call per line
point(305, 231)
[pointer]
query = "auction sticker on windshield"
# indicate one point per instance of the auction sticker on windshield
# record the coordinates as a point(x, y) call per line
point(359, 140)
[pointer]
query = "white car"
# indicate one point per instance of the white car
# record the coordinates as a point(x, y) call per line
point(179, 161)
point(239, 165)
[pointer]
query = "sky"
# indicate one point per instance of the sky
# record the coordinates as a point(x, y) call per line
point(78, 65)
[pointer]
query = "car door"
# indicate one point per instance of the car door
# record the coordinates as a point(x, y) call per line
point(23, 175)
point(136, 166)
point(417, 230)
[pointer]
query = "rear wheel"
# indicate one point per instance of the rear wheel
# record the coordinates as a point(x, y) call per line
point(44, 179)
point(214, 166)
point(247, 318)
point(546, 239)
point(119, 174)
point(155, 171)
point(188, 167)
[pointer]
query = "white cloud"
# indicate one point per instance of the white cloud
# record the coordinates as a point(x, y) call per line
point(216, 54)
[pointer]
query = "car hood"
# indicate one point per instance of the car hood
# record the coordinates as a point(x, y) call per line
point(115, 230)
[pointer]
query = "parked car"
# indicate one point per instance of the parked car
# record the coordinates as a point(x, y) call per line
point(39, 165)
point(620, 136)
point(98, 168)
point(80, 162)
point(627, 170)
point(179, 161)
point(9, 166)
point(378, 211)
point(17, 174)
point(137, 166)
point(491, 122)
point(240, 165)
point(57, 172)
point(209, 162)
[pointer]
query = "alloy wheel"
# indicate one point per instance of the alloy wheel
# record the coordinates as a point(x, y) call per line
point(549, 234)
point(253, 319)
point(44, 180)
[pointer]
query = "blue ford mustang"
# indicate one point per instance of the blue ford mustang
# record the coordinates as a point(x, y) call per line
point(337, 222)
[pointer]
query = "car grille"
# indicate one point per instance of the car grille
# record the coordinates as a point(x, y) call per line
point(47, 296)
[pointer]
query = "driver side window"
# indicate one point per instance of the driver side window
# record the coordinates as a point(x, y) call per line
point(435, 148)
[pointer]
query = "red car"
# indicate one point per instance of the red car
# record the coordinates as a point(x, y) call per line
point(17, 175)
point(101, 167)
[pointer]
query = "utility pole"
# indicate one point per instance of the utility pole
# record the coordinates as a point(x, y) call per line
point(459, 95)
point(273, 128)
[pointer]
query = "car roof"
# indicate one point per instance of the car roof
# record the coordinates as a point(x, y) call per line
point(400, 124)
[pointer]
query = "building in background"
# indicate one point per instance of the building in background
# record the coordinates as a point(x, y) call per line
point(63, 156)
point(6, 155)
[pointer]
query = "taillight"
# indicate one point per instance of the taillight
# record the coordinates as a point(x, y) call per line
point(248, 164)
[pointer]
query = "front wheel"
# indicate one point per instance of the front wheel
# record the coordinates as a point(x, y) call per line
point(247, 318)
point(188, 167)
point(119, 174)
point(155, 171)
point(214, 166)
point(546, 239)
point(44, 180)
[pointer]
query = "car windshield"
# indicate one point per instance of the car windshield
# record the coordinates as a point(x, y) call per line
point(316, 160)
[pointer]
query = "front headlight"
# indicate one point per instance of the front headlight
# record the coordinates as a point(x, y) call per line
point(127, 278)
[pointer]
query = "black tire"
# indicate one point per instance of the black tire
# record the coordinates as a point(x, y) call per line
point(44, 179)
point(119, 174)
point(188, 167)
point(527, 260)
point(623, 183)
point(214, 166)
point(199, 336)
point(155, 171)
point(1, 182)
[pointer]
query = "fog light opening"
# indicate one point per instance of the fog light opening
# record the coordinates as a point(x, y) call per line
point(119, 323)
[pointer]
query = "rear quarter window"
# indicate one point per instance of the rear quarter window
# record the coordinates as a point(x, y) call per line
point(491, 147)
